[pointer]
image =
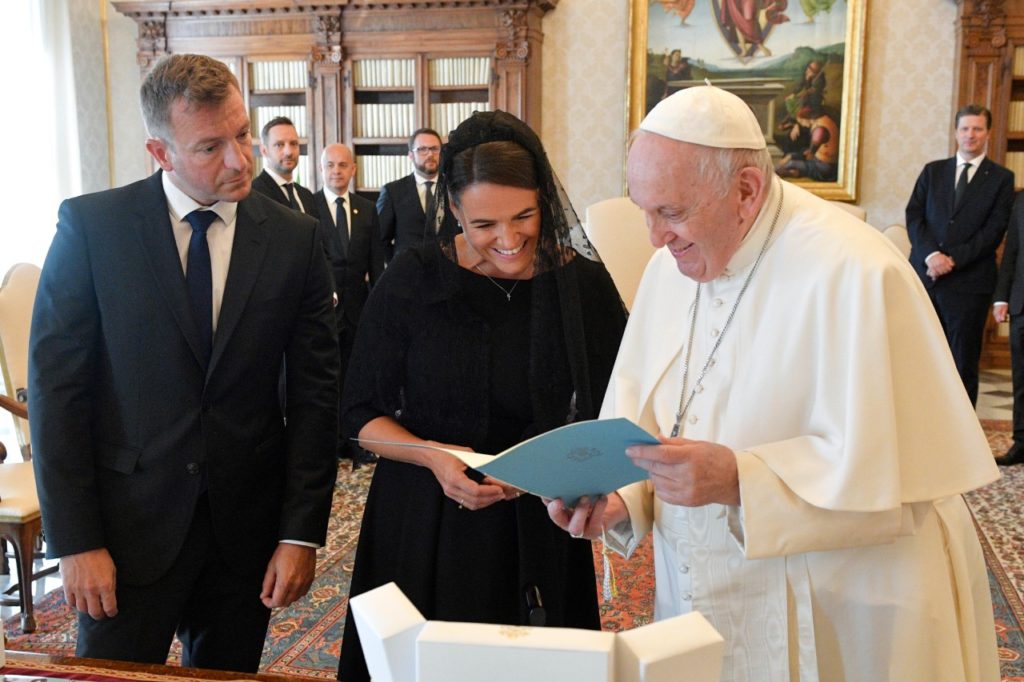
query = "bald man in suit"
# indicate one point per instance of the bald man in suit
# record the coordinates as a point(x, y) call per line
point(350, 232)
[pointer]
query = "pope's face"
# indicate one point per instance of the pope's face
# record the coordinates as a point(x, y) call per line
point(700, 228)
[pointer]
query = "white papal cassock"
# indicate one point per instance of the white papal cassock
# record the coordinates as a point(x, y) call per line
point(852, 555)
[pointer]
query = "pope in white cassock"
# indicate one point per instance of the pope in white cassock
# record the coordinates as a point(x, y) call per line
point(807, 501)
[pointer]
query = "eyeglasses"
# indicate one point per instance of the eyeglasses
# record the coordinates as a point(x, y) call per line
point(424, 151)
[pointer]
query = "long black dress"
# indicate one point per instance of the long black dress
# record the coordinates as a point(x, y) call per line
point(455, 359)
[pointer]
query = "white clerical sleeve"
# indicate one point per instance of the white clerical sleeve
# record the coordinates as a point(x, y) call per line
point(773, 521)
point(888, 421)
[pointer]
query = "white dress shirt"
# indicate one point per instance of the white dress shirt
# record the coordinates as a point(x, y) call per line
point(333, 207)
point(219, 237)
point(421, 187)
point(281, 182)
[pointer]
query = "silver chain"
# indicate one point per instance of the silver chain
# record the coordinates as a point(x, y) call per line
point(507, 292)
point(684, 400)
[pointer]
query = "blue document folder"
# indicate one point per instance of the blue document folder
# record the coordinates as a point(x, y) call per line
point(583, 458)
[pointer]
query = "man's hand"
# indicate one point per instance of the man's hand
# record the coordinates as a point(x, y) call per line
point(289, 575)
point(90, 580)
point(689, 473)
point(1001, 311)
point(939, 264)
point(589, 518)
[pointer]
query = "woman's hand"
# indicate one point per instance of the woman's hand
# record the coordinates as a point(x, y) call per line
point(450, 472)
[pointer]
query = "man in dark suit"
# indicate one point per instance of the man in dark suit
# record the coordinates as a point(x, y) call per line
point(176, 494)
point(1009, 303)
point(403, 203)
point(956, 218)
point(280, 149)
point(351, 236)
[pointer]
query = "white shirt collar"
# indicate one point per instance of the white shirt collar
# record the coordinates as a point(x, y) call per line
point(331, 196)
point(181, 204)
point(420, 179)
point(277, 178)
point(975, 162)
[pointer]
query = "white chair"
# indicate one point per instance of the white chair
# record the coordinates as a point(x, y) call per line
point(618, 230)
point(897, 234)
point(852, 209)
point(17, 295)
point(20, 518)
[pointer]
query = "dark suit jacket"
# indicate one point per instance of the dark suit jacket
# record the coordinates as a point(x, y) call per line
point(970, 234)
point(129, 422)
point(357, 268)
point(265, 184)
point(402, 220)
point(1010, 286)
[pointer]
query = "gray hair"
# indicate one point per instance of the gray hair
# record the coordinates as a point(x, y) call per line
point(719, 166)
point(196, 79)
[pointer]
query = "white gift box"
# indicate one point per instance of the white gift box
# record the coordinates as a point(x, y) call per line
point(473, 652)
point(684, 648)
point(388, 624)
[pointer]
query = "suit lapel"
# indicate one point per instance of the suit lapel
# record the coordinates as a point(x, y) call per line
point(247, 253)
point(153, 226)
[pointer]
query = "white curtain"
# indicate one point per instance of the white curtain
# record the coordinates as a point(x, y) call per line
point(40, 165)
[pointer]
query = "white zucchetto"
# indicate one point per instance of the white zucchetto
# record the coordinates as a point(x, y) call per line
point(708, 116)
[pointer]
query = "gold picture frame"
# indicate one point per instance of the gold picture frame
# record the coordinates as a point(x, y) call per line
point(783, 59)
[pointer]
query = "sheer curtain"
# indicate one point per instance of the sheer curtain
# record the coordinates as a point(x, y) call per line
point(41, 164)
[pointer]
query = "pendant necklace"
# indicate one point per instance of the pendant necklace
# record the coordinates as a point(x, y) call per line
point(684, 400)
point(507, 292)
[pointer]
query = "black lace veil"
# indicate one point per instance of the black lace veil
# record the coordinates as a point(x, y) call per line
point(560, 226)
point(557, 302)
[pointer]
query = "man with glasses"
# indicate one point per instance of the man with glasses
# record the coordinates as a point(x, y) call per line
point(403, 203)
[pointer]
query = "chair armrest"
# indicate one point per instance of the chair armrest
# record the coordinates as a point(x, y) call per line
point(14, 407)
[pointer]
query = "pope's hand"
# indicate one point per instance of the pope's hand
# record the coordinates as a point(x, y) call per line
point(588, 518)
point(689, 473)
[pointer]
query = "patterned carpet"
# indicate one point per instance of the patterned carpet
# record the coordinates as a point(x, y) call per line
point(305, 639)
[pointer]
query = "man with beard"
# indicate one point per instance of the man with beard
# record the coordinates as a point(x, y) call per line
point(279, 146)
point(405, 204)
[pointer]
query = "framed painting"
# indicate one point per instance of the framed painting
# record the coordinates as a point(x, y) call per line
point(797, 63)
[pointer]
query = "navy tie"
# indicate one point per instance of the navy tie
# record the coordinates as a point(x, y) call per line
point(341, 220)
point(199, 277)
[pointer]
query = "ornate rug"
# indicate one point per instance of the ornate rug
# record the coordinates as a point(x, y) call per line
point(305, 638)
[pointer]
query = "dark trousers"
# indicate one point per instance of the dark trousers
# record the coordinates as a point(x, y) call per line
point(216, 613)
point(963, 317)
point(346, 339)
point(1017, 363)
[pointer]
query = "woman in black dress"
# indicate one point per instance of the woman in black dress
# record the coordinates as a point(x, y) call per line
point(479, 340)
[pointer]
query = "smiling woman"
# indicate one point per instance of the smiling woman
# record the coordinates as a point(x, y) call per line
point(478, 341)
